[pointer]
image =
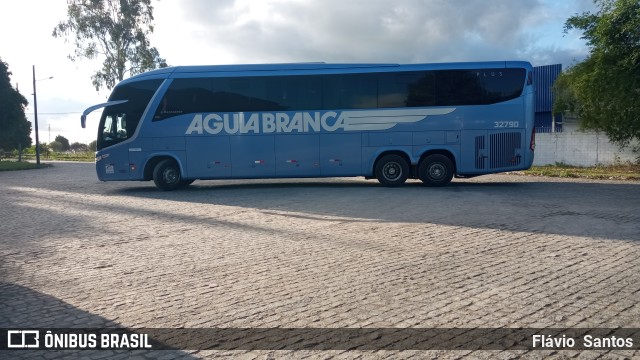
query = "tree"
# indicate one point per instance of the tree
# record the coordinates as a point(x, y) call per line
point(56, 146)
point(93, 146)
point(116, 30)
point(76, 146)
point(64, 142)
point(44, 148)
point(15, 129)
point(603, 90)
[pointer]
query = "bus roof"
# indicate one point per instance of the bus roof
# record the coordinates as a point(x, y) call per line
point(312, 67)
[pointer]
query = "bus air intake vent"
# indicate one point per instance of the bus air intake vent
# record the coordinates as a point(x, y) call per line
point(504, 150)
point(480, 152)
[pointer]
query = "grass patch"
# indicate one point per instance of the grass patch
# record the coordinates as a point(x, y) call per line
point(79, 156)
point(613, 172)
point(83, 156)
point(20, 165)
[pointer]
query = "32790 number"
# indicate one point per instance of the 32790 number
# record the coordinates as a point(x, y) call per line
point(506, 124)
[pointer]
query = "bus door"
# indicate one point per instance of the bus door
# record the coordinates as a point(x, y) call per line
point(114, 162)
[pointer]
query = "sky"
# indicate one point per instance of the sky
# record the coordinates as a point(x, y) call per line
point(203, 32)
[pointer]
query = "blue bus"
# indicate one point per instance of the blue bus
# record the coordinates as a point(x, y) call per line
point(385, 121)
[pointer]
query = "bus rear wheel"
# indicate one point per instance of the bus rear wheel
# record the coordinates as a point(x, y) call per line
point(166, 175)
point(392, 170)
point(436, 170)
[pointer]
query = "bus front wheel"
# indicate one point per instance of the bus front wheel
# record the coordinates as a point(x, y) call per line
point(166, 175)
point(392, 170)
point(436, 170)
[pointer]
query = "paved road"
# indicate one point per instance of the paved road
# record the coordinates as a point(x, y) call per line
point(493, 251)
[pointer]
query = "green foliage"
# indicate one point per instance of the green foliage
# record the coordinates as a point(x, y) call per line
point(93, 146)
point(44, 148)
point(56, 146)
point(78, 156)
point(29, 151)
point(63, 141)
point(76, 146)
point(116, 30)
point(14, 127)
point(604, 89)
point(20, 165)
point(613, 172)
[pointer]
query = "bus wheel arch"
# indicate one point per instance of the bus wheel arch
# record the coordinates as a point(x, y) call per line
point(166, 175)
point(165, 171)
point(436, 168)
point(151, 165)
point(392, 168)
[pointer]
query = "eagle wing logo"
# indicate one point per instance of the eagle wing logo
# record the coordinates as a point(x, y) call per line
point(368, 120)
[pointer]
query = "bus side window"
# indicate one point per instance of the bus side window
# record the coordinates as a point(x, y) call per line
point(502, 84)
point(302, 92)
point(390, 95)
point(406, 89)
point(420, 88)
point(186, 96)
point(331, 88)
point(275, 92)
point(459, 87)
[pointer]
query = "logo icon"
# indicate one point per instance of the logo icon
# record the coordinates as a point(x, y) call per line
point(23, 339)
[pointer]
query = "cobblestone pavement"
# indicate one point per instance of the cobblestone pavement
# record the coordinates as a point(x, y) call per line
point(493, 251)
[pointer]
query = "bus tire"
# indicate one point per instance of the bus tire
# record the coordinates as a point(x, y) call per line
point(436, 170)
point(166, 175)
point(392, 170)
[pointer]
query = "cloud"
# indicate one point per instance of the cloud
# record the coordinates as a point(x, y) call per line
point(366, 30)
point(258, 31)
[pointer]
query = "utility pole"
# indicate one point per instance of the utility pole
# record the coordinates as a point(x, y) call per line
point(35, 113)
point(35, 116)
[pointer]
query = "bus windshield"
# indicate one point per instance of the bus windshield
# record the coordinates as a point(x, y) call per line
point(120, 121)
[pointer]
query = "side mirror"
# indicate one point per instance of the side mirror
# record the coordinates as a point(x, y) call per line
point(83, 118)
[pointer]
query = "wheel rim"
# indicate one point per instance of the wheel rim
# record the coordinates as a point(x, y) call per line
point(437, 171)
point(170, 176)
point(392, 171)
